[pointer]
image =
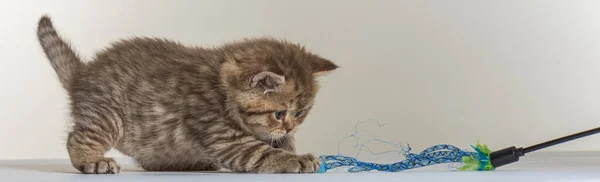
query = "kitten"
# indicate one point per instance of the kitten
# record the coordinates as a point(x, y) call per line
point(177, 108)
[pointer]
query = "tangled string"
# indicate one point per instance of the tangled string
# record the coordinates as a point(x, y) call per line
point(433, 155)
point(438, 154)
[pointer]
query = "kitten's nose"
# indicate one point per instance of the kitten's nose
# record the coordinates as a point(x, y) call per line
point(289, 126)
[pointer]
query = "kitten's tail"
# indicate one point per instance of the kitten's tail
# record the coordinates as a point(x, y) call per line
point(62, 57)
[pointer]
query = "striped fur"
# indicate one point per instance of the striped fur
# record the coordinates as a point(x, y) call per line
point(63, 59)
point(173, 107)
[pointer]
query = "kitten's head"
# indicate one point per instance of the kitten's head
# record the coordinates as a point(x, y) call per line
point(272, 83)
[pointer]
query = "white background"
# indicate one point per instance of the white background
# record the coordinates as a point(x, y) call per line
point(504, 72)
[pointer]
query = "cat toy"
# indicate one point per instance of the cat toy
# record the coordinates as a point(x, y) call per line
point(483, 159)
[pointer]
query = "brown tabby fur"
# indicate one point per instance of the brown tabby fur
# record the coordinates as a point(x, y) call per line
point(175, 108)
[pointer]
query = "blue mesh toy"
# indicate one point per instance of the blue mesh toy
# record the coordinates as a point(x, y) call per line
point(433, 155)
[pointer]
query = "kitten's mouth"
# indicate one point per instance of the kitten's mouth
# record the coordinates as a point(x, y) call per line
point(278, 134)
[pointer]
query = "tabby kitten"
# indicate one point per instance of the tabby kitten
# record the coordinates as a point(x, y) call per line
point(177, 108)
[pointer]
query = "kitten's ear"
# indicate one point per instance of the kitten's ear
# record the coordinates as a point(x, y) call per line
point(267, 81)
point(321, 66)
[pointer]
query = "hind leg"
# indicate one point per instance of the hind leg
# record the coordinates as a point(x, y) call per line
point(90, 139)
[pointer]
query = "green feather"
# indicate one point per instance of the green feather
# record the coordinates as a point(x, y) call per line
point(472, 163)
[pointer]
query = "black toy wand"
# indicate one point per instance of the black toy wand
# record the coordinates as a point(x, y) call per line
point(511, 154)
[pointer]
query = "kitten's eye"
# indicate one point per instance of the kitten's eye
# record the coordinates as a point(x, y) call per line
point(298, 114)
point(279, 115)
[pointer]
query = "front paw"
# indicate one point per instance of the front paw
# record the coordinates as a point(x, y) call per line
point(291, 163)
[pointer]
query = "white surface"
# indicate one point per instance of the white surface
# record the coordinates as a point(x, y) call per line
point(572, 167)
point(520, 72)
